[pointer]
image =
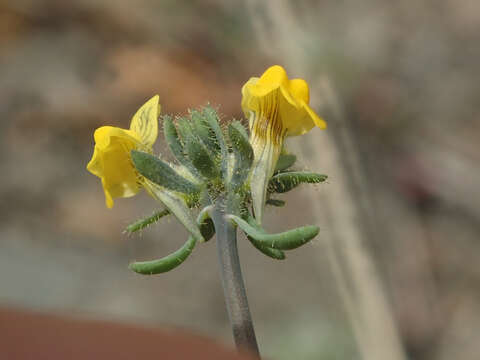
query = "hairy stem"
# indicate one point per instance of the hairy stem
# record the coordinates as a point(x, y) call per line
point(232, 281)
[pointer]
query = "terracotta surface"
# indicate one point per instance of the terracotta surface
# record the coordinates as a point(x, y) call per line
point(25, 335)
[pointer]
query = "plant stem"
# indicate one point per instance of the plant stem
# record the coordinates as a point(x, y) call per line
point(232, 281)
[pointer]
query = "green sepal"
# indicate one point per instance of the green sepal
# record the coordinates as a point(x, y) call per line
point(201, 158)
point(262, 169)
point(172, 139)
point(243, 155)
point(287, 181)
point(275, 202)
point(199, 125)
point(204, 131)
point(184, 129)
point(174, 143)
point(285, 161)
point(143, 223)
point(212, 119)
point(287, 240)
point(161, 173)
point(238, 125)
point(177, 206)
point(166, 263)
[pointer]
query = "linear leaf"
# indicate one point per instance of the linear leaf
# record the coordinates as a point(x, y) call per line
point(173, 260)
point(287, 240)
point(143, 223)
point(273, 253)
point(287, 181)
point(166, 263)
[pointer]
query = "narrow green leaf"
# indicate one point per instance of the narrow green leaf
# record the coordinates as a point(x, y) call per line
point(287, 240)
point(143, 223)
point(161, 173)
point(173, 260)
point(201, 158)
point(285, 161)
point(275, 202)
point(287, 181)
point(166, 263)
point(243, 156)
point(273, 253)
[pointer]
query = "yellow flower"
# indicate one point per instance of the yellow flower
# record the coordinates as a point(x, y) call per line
point(276, 107)
point(111, 160)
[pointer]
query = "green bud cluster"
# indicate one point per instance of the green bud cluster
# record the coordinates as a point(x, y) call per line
point(212, 163)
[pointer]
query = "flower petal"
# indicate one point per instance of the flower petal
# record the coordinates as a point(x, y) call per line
point(95, 165)
point(299, 90)
point(298, 125)
point(108, 196)
point(247, 96)
point(119, 175)
point(273, 77)
point(289, 98)
point(319, 122)
point(112, 163)
point(145, 122)
point(104, 134)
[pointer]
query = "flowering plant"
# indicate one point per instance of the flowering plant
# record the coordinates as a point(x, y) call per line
point(225, 173)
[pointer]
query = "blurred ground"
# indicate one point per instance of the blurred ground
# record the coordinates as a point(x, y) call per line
point(406, 74)
point(28, 335)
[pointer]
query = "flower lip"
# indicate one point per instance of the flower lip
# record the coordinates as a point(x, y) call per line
point(274, 97)
point(103, 136)
point(298, 88)
point(111, 160)
point(295, 91)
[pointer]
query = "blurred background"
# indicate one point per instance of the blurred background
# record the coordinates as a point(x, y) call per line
point(397, 83)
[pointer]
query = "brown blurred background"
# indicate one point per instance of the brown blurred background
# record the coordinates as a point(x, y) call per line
point(405, 78)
